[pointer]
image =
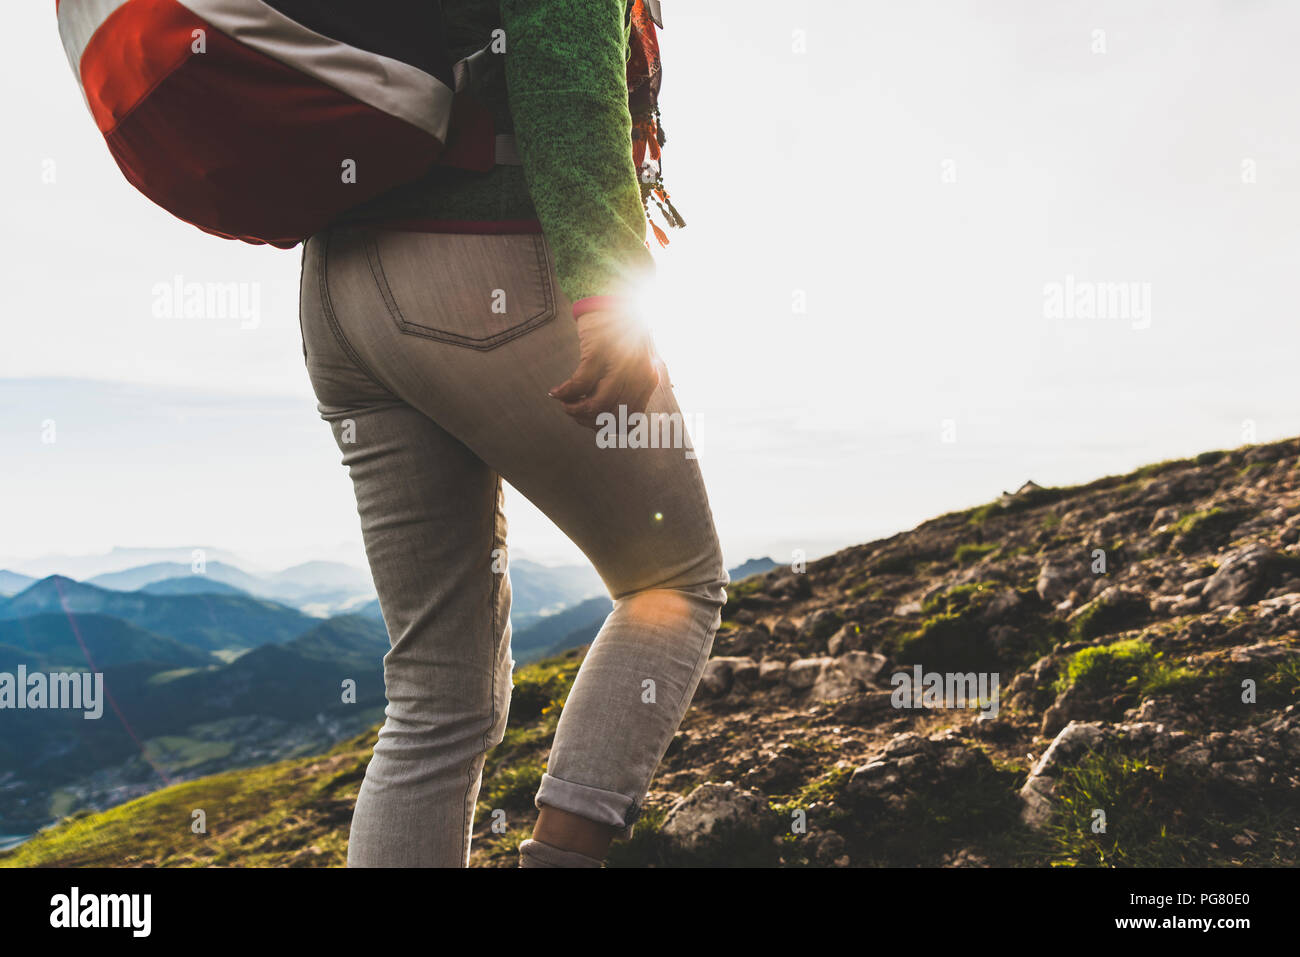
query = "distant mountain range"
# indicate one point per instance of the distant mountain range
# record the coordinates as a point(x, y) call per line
point(577, 625)
point(208, 622)
point(536, 591)
point(318, 589)
point(133, 579)
point(216, 670)
point(567, 629)
point(83, 567)
point(56, 641)
point(11, 583)
point(174, 710)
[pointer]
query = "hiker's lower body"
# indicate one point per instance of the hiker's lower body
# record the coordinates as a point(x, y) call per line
point(431, 355)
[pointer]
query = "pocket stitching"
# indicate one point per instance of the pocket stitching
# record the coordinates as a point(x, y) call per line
point(547, 313)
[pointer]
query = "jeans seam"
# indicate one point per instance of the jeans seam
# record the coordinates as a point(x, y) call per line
point(683, 705)
point(495, 646)
point(701, 658)
point(327, 307)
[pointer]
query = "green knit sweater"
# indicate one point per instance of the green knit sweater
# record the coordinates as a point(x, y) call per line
point(565, 97)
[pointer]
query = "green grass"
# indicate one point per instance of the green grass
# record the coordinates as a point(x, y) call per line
point(1099, 618)
point(945, 641)
point(1131, 665)
point(1205, 528)
point(970, 552)
point(824, 788)
point(254, 817)
point(981, 811)
point(62, 802)
point(511, 788)
point(540, 688)
point(1164, 816)
point(1019, 503)
point(747, 586)
point(961, 598)
point(901, 564)
point(1281, 686)
point(953, 636)
point(1153, 469)
point(177, 753)
point(295, 812)
point(162, 677)
point(866, 588)
point(646, 845)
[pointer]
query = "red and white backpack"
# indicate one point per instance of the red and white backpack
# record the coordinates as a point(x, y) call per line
point(262, 120)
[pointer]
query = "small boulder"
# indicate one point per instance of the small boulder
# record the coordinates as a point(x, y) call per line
point(1057, 579)
point(848, 638)
point(771, 672)
point(870, 780)
point(746, 641)
point(854, 671)
point(803, 673)
point(1240, 578)
point(783, 629)
point(1003, 605)
point(1075, 740)
point(710, 809)
point(821, 624)
point(720, 674)
point(901, 745)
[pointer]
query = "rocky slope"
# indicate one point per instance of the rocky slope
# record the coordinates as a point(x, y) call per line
point(1144, 631)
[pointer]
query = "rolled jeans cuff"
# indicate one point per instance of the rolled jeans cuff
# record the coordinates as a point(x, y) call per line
point(595, 804)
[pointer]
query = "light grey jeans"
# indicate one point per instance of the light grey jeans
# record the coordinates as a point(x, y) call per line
point(431, 355)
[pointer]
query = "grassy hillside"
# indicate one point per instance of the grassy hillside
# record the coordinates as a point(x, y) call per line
point(1144, 630)
point(170, 719)
point(296, 813)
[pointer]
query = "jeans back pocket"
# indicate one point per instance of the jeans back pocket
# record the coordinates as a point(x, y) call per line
point(473, 290)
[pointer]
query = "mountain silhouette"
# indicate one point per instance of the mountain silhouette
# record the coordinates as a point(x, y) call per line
point(207, 622)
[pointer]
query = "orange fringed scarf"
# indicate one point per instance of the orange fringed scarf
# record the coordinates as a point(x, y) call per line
point(644, 74)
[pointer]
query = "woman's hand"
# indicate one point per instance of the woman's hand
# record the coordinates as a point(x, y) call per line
point(617, 365)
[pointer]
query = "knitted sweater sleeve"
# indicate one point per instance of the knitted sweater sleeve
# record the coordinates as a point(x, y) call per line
point(567, 85)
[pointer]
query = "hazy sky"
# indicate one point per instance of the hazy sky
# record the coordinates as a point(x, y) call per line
point(898, 213)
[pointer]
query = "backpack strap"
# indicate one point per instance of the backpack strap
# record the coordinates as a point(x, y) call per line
point(473, 142)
